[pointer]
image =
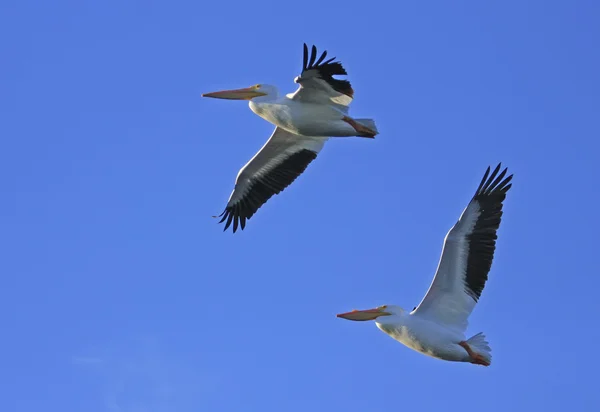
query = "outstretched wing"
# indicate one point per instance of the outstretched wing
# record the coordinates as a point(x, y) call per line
point(276, 165)
point(467, 255)
point(317, 84)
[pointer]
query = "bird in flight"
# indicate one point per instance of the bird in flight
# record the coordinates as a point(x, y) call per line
point(437, 326)
point(304, 121)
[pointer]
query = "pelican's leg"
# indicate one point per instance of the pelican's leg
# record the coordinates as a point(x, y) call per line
point(361, 130)
point(476, 358)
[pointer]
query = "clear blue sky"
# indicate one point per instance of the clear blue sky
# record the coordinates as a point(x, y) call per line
point(121, 293)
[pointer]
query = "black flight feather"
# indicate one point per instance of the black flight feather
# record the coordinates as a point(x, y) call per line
point(489, 197)
point(326, 70)
point(262, 188)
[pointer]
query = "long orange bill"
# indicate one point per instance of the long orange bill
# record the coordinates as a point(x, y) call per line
point(237, 94)
point(362, 315)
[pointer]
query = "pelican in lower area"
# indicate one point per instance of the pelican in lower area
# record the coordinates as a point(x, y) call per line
point(304, 121)
point(437, 326)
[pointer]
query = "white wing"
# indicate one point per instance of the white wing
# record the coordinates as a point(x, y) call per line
point(276, 165)
point(317, 84)
point(467, 256)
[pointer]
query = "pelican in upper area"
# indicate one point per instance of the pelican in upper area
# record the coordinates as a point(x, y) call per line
point(304, 121)
point(437, 326)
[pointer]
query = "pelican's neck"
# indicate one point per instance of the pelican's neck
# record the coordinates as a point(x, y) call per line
point(391, 324)
point(392, 327)
point(267, 106)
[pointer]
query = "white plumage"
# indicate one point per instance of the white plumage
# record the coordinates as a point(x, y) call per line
point(437, 326)
point(304, 121)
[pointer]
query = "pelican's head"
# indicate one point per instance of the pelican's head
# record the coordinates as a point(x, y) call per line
point(249, 93)
point(372, 314)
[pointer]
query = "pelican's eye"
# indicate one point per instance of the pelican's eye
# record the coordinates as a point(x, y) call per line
point(257, 86)
point(383, 307)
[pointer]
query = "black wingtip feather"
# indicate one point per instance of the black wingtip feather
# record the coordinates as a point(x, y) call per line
point(494, 182)
point(487, 172)
point(305, 59)
point(489, 196)
point(313, 55)
point(264, 187)
point(327, 69)
point(323, 55)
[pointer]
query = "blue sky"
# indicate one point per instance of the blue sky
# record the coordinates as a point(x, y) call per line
point(121, 293)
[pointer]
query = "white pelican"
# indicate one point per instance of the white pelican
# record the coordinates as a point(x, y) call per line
point(304, 121)
point(437, 326)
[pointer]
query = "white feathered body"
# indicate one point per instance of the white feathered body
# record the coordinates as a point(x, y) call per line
point(425, 336)
point(304, 118)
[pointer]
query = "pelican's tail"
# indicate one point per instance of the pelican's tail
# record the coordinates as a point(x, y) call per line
point(480, 346)
point(370, 123)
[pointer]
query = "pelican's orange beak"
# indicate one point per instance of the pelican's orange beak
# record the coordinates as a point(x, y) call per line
point(363, 315)
point(248, 93)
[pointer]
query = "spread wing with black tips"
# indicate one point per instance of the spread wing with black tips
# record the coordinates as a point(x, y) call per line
point(467, 254)
point(279, 162)
point(326, 69)
point(317, 83)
